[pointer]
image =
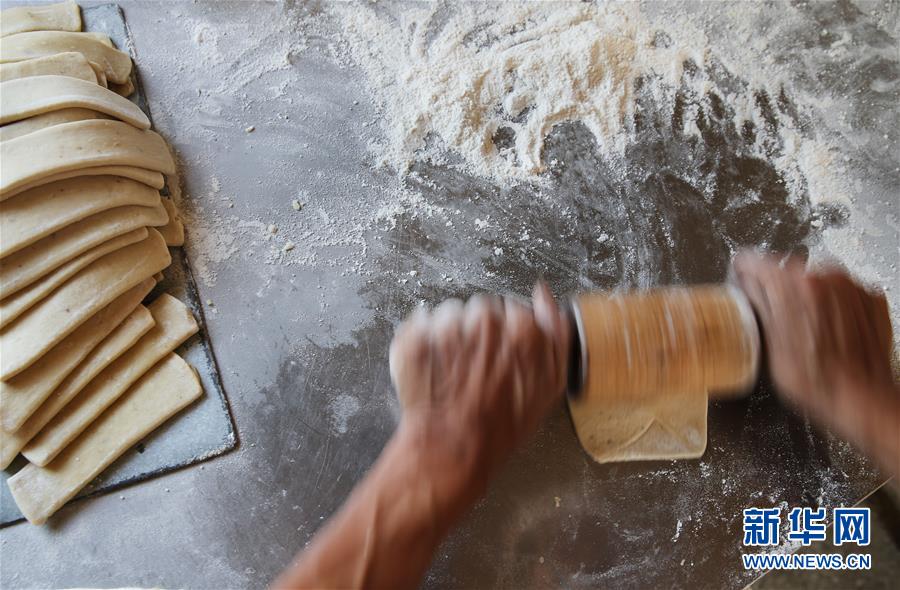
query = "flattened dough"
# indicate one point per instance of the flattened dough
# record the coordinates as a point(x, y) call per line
point(81, 144)
point(14, 305)
point(41, 211)
point(164, 391)
point(174, 325)
point(173, 232)
point(21, 395)
point(116, 64)
point(38, 122)
point(671, 426)
point(34, 333)
point(33, 262)
point(149, 177)
point(27, 97)
point(119, 340)
point(64, 16)
point(69, 63)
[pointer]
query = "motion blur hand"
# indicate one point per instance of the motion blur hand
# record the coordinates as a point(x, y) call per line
point(475, 379)
point(829, 349)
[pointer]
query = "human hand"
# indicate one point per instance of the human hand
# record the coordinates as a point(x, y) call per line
point(828, 344)
point(476, 379)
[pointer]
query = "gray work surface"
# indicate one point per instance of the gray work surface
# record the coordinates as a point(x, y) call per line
point(200, 432)
point(303, 347)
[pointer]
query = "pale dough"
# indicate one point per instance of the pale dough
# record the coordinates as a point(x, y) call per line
point(38, 122)
point(672, 426)
point(64, 16)
point(27, 97)
point(124, 89)
point(70, 63)
point(148, 177)
point(34, 333)
point(33, 262)
point(81, 144)
point(119, 340)
point(116, 64)
point(164, 391)
point(174, 325)
point(173, 231)
point(14, 305)
point(21, 395)
point(41, 211)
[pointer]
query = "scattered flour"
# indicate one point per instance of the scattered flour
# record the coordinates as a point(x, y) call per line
point(342, 408)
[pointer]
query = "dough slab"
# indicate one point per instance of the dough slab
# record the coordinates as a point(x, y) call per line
point(37, 213)
point(164, 391)
point(14, 305)
point(34, 333)
point(119, 340)
point(64, 16)
point(672, 426)
point(21, 395)
point(27, 97)
point(116, 64)
point(174, 325)
point(173, 232)
point(81, 144)
point(70, 63)
point(33, 262)
point(151, 178)
point(38, 122)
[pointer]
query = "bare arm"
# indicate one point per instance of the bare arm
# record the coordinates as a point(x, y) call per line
point(474, 381)
point(829, 344)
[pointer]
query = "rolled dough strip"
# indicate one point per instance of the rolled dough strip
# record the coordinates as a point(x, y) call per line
point(173, 232)
point(148, 177)
point(27, 97)
point(164, 391)
point(125, 89)
point(119, 340)
point(100, 75)
point(22, 394)
point(174, 325)
point(13, 306)
point(70, 63)
point(33, 262)
point(671, 426)
point(81, 144)
point(63, 16)
point(41, 211)
point(32, 124)
point(30, 336)
point(116, 64)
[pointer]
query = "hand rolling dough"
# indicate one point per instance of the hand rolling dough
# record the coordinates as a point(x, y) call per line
point(164, 391)
point(33, 262)
point(22, 46)
point(37, 213)
point(27, 97)
point(14, 305)
point(64, 16)
point(119, 340)
point(81, 144)
point(174, 325)
point(21, 395)
point(30, 336)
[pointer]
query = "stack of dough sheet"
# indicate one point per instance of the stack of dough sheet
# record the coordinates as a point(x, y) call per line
point(87, 369)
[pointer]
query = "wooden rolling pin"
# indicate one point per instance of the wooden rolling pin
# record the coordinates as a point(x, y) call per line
point(662, 341)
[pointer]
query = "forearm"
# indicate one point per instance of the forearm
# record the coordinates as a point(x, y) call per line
point(387, 532)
